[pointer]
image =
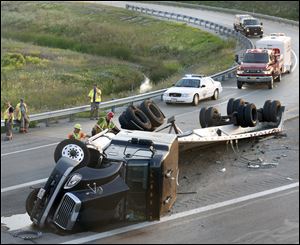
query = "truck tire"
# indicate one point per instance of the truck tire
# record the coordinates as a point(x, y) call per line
point(250, 115)
point(266, 111)
point(211, 116)
point(236, 104)
point(202, 117)
point(215, 95)
point(153, 112)
point(195, 100)
point(275, 111)
point(123, 121)
point(32, 197)
point(139, 117)
point(239, 84)
point(73, 149)
point(230, 106)
point(271, 84)
point(240, 116)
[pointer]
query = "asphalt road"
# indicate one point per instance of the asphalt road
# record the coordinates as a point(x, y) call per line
point(30, 157)
point(221, 225)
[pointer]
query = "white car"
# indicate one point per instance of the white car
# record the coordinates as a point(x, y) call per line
point(191, 89)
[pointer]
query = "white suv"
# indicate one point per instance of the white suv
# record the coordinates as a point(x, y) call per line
point(191, 89)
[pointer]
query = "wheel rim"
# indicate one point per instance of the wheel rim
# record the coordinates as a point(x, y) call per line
point(196, 100)
point(216, 94)
point(73, 152)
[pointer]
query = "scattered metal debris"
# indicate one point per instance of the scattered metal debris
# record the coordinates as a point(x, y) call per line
point(266, 138)
point(260, 159)
point(269, 164)
point(28, 235)
point(288, 178)
point(253, 166)
point(218, 162)
point(188, 192)
point(223, 170)
point(283, 155)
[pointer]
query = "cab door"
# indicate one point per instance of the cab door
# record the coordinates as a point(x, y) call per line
point(203, 88)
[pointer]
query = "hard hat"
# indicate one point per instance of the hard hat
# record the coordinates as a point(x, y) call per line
point(77, 126)
point(110, 114)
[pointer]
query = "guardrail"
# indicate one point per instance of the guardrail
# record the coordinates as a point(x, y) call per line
point(226, 10)
point(229, 73)
point(223, 30)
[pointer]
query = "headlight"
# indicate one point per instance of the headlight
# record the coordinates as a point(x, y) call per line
point(239, 72)
point(247, 30)
point(267, 72)
point(72, 181)
point(185, 95)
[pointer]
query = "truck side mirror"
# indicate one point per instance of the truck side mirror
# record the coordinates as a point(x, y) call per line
point(261, 23)
point(236, 58)
point(203, 86)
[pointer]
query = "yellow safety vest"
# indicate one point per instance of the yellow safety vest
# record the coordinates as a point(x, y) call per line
point(97, 97)
point(19, 113)
point(7, 115)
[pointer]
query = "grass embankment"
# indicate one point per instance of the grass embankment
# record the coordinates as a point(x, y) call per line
point(283, 9)
point(52, 53)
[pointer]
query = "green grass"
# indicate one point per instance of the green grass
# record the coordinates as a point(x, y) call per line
point(283, 9)
point(52, 78)
point(52, 53)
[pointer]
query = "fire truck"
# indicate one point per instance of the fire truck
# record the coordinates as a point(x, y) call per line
point(267, 62)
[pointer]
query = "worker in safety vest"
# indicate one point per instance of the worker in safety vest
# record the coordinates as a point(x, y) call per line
point(77, 133)
point(95, 97)
point(22, 116)
point(8, 120)
point(105, 123)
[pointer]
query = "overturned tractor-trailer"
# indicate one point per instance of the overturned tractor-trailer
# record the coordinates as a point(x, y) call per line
point(133, 175)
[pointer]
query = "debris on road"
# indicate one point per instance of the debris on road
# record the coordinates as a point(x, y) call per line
point(288, 178)
point(269, 164)
point(218, 162)
point(27, 235)
point(188, 192)
point(223, 170)
point(266, 138)
point(253, 166)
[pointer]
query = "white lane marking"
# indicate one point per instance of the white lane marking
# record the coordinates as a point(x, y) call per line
point(230, 87)
point(30, 149)
point(15, 187)
point(180, 215)
point(296, 61)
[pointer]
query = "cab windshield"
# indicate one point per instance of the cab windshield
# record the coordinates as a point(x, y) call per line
point(251, 22)
point(190, 83)
point(256, 58)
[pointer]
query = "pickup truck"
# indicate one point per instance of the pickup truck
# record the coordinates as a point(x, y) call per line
point(248, 25)
point(267, 62)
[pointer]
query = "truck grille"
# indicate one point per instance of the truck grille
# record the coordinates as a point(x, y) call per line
point(175, 95)
point(67, 212)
